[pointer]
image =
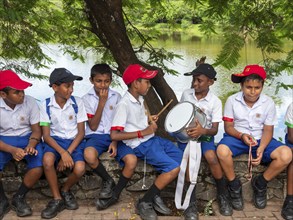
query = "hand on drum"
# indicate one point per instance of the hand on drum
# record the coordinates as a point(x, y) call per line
point(196, 131)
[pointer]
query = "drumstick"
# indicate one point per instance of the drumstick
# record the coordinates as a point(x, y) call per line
point(163, 109)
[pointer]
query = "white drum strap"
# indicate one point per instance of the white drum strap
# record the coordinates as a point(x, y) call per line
point(192, 153)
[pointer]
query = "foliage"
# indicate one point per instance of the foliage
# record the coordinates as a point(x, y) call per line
point(27, 26)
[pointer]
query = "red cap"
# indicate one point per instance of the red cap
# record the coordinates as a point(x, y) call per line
point(136, 71)
point(8, 78)
point(248, 70)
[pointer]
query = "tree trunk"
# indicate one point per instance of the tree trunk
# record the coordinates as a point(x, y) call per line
point(107, 22)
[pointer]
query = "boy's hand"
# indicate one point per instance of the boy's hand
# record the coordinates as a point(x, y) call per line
point(151, 129)
point(67, 160)
point(154, 118)
point(248, 140)
point(31, 151)
point(103, 95)
point(259, 153)
point(18, 154)
point(112, 149)
point(60, 166)
point(196, 131)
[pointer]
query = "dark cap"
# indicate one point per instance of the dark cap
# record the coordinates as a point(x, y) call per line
point(62, 75)
point(205, 69)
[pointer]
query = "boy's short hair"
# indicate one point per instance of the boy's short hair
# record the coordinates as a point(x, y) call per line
point(101, 69)
point(249, 70)
point(203, 69)
point(8, 78)
point(136, 71)
point(62, 75)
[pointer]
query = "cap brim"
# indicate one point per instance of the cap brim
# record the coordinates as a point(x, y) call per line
point(21, 85)
point(150, 74)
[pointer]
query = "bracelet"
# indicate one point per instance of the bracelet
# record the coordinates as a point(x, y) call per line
point(139, 135)
point(33, 138)
point(242, 136)
point(68, 152)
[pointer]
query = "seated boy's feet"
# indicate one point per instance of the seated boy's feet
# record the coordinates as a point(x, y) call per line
point(20, 206)
point(4, 207)
point(107, 189)
point(191, 212)
point(259, 195)
point(53, 208)
point(146, 210)
point(69, 200)
point(287, 209)
point(236, 198)
point(105, 203)
point(225, 206)
point(160, 206)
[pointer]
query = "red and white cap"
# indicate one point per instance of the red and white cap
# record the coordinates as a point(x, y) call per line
point(136, 71)
point(248, 70)
point(8, 78)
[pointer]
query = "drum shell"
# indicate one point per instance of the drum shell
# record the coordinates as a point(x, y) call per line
point(181, 133)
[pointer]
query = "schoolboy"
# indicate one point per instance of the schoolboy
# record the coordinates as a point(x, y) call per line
point(249, 118)
point(130, 127)
point(100, 102)
point(200, 95)
point(62, 119)
point(287, 209)
point(20, 136)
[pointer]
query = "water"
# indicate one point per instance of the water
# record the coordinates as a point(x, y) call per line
point(191, 51)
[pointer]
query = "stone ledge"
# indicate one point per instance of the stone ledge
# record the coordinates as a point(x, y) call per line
point(89, 185)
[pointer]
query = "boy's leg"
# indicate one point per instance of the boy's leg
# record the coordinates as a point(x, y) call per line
point(130, 161)
point(4, 204)
point(95, 146)
point(19, 203)
point(57, 203)
point(222, 195)
point(280, 156)
point(234, 185)
point(287, 209)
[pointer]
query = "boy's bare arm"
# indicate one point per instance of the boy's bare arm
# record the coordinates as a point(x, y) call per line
point(34, 139)
point(267, 135)
point(229, 129)
point(121, 135)
point(78, 138)
point(95, 121)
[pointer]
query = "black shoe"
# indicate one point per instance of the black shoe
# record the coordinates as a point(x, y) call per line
point(259, 195)
point(191, 212)
point(20, 206)
point(105, 203)
point(69, 200)
point(53, 208)
point(107, 190)
point(160, 206)
point(287, 210)
point(146, 210)
point(4, 207)
point(236, 198)
point(225, 206)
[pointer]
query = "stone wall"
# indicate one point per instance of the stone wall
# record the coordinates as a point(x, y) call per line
point(89, 186)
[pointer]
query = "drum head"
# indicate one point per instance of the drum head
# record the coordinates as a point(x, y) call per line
point(179, 116)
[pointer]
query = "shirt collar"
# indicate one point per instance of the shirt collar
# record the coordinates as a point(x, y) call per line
point(133, 99)
point(208, 97)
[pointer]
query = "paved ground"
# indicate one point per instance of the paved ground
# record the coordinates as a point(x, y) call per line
point(124, 210)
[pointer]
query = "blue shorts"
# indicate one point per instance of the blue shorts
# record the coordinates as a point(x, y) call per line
point(237, 147)
point(21, 142)
point(205, 146)
point(101, 143)
point(161, 153)
point(287, 142)
point(77, 154)
point(122, 151)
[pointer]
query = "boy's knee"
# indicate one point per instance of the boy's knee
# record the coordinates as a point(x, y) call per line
point(223, 151)
point(79, 170)
point(211, 157)
point(130, 161)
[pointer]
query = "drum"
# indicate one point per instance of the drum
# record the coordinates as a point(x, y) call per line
point(181, 117)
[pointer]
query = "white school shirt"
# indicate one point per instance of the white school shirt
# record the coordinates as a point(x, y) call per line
point(130, 115)
point(250, 120)
point(91, 103)
point(18, 121)
point(289, 117)
point(64, 121)
point(211, 105)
